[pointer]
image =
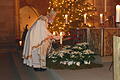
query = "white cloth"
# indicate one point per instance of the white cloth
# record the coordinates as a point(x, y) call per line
point(35, 35)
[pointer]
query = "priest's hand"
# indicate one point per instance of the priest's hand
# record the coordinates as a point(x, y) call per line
point(63, 33)
point(56, 37)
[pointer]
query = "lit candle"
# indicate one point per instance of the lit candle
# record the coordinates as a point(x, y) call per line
point(20, 43)
point(61, 37)
point(105, 6)
point(54, 33)
point(66, 18)
point(85, 17)
point(101, 18)
point(117, 13)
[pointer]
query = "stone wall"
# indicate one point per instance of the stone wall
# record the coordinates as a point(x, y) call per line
point(42, 5)
point(107, 8)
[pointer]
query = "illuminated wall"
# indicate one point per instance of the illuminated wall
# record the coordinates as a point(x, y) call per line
point(28, 15)
point(40, 5)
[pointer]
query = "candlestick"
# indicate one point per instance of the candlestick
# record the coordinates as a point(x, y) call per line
point(61, 37)
point(85, 17)
point(101, 18)
point(66, 19)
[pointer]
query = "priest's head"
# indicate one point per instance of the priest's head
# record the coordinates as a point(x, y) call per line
point(51, 16)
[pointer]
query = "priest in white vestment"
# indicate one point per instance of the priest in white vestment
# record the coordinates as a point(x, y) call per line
point(38, 41)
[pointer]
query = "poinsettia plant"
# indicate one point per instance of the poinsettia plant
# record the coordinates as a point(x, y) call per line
point(72, 55)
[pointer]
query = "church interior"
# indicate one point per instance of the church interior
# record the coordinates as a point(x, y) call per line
point(93, 21)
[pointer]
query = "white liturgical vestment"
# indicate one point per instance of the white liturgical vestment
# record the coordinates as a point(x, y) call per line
point(36, 47)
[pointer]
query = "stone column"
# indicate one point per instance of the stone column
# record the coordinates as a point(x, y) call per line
point(17, 18)
point(7, 25)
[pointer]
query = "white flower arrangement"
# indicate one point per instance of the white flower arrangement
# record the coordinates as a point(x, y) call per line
point(73, 55)
point(78, 63)
point(88, 52)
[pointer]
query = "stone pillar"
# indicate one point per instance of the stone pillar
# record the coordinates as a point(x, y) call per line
point(88, 35)
point(7, 25)
point(17, 18)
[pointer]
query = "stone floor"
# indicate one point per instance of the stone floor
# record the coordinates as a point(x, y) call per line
point(11, 68)
point(87, 74)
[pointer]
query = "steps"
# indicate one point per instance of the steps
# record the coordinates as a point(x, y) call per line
point(6, 47)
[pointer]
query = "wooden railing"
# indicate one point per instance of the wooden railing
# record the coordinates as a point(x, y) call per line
point(100, 39)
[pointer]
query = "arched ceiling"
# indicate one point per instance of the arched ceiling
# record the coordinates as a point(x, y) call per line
point(40, 5)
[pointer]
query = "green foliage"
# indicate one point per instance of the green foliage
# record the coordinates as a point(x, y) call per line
point(72, 56)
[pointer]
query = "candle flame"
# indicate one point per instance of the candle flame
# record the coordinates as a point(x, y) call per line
point(66, 16)
point(101, 15)
point(54, 33)
point(20, 43)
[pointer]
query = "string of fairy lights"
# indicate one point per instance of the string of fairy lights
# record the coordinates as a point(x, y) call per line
point(71, 14)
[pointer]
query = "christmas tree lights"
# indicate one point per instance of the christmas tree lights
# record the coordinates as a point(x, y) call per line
point(71, 14)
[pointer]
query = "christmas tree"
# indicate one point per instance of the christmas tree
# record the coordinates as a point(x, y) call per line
point(71, 14)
